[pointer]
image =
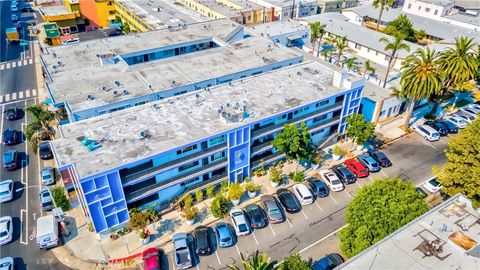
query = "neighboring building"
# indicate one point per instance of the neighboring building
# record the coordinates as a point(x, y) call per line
point(287, 9)
point(446, 237)
point(105, 75)
point(239, 11)
point(65, 19)
point(154, 153)
point(100, 13)
point(72, 5)
point(378, 105)
point(147, 15)
point(287, 33)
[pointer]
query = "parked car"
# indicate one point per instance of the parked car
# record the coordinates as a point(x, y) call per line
point(47, 175)
point(224, 235)
point(303, 194)
point(474, 106)
point(370, 163)
point(14, 8)
point(380, 157)
point(319, 188)
point(344, 174)
point(46, 201)
point(458, 121)
point(6, 230)
point(151, 259)
point(329, 262)
point(44, 150)
point(6, 191)
point(332, 180)
point(288, 200)
point(427, 133)
point(468, 118)
point(12, 113)
point(14, 17)
point(202, 240)
point(70, 41)
point(474, 112)
point(183, 259)
point(257, 216)
point(438, 126)
point(10, 136)
point(421, 192)
point(432, 185)
point(10, 160)
point(451, 127)
point(356, 168)
point(115, 32)
point(239, 222)
point(7, 263)
point(272, 208)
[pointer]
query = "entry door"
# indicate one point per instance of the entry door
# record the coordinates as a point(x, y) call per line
point(239, 177)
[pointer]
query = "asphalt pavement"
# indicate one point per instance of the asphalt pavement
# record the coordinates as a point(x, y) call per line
point(313, 232)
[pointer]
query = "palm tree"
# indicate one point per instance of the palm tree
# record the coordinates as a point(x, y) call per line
point(331, 40)
point(325, 53)
point(459, 63)
point(351, 63)
point(368, 68)
point(39, 128)
point(321, 33)
point(258, 261)
point(422, 78)
point(394, 47)
point(342, 47)
point(315, 34)
point(383, 5)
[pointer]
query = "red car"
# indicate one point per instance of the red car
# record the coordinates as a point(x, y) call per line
point(151, 260)
point(356, 168)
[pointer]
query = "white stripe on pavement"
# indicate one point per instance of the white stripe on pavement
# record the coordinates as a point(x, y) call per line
point(238, 250)
point(254, 237)
point(289, 223)
point(218, 257)
point(304, 214)
point(30, 61)
point(320, 240)
point(319, 207)
point(331, 197)
point(384, 173)
point(271, 228)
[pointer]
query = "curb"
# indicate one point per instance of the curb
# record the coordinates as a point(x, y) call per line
point(396, 139)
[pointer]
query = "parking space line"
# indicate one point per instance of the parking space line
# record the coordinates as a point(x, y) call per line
point(289, 223)
point(304, 214)
point(254, 237)
point(427, 143)
point(173, 262)
point(331, 197)
point(271, 228)
point(323, 238)
point(348, 193)
point(238, 250)
point(356, 182)
point(371, 179)
point(23, 212)
point(319, 207)
point(384, 173)
point(198, 268)
point(218, 258)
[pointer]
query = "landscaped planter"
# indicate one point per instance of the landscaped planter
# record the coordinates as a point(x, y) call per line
point(274, 184)
point(252, 194)
point(145, 240)
point(236, 202)
point(360, 147)
point(336, 157)
point(190, 222)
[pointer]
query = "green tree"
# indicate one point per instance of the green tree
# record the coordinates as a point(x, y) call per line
point(294, 262)
point(341, 44)
point(368, 68)
point(351, 63)
point(39, 127)
point(359, 129)
point(60, 199)
point(258, 261)
point(317, 33)
point(459, 63)
point(402, 28)
point(219, 206)
point(422, 78)
point(332, 41)
point(461, 173)
point(378, 210)
point(393, 47)
point(420, 35)
point(294, 141)
point(382, 5)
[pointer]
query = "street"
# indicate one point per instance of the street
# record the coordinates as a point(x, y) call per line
point(304, 232)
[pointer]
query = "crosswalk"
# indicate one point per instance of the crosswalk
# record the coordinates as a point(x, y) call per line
point(20, 95)
point(14, 64)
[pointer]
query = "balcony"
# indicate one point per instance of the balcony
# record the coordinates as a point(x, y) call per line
point(132, 178)
point(273, 128)
point(262, 147)
point(145, 191)
point(323, 124)
point(269, 159)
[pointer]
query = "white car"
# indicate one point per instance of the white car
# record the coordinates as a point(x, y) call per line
point(474, 106)
point(332, 180)
point(6, 230)
point(7, 263)
point(459, 122)
point(71, 41)
point(303, 194)
point(472, 112)
point(6, 191)
point(466, 117)
point(432, 185)
point(427, 132)
point(239, 222)
point(47, 175)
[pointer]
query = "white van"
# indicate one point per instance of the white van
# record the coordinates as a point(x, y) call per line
point(428, 133)
point(47, 232)
point(303, 194)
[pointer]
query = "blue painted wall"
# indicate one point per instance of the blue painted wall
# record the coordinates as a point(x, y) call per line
point(368, 108)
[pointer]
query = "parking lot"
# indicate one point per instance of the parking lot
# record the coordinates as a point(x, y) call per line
point(412, 159)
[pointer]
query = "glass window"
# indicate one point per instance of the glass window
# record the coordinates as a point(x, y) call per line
point(187, 149)
point(188, 166)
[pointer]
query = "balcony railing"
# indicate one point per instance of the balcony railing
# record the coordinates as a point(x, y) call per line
point(143, 192)
point(261, 147)
point(267, 159)
point(273, 128)
point(150, 172)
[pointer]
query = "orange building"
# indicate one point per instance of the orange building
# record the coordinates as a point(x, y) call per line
point(99, 12)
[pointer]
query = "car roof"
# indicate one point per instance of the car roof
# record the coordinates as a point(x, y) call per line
point(3, 222)
point(4, 185)
point(301, 188)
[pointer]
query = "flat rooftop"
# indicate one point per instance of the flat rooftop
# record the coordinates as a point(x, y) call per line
point(157, 13)
point(278, 28)
point(80, 73)
point(465, 18)
point(438, 2)
point(55, 10)
point(181, 120)
point(446, 237)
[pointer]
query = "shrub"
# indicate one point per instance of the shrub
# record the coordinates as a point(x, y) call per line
point(60, 199)
point(187, 201)
point(259, 171)
point(219, 206)
point(275, 175)
point(429, 116)
point(150, 213)
point(199, 195)
point(190, 213)
point(235, 191)
point(138, 220)
point(210, 190)
point(297, 176)
point(337, 150)
point(224, 186)
point(250, 186)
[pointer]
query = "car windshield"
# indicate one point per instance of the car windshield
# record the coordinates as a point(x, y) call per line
point(242, 227)
point(47, 203)
point(4, 193)
point(3, 234)
point(44, 194)
point(43, 146)
point(226, 239)
point(434, 183)
point(274, 211)
point(321, 188)
point(307, 198)
point(336, 182)
point(435, 134)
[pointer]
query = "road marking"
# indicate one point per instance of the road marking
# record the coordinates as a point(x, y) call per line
point(2, 67)
point(30, 61)
point(198, 268)
point(289, 223)
point(371, 179)
point(34, 215)
point(304, 214)
point(173, 262)
point(319, 206)
point(8, 65)
point(254, 237)
point(23, 212)
point(356, 182)
point(238, 250)
point(384, 173)
point(320, 240)
point(331, 197)
point(218, 258)
point(20, 95)
point(14, 95)
point(427, 143)
point(348, 193)
point(271, 228)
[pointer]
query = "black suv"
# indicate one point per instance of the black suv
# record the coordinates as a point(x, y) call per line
point(45, 151)
point(202, 240)
point(10, 136)
point(380, 157)
point(439, 127)
point(344, 174)
point(12, 113)
point(288, 200)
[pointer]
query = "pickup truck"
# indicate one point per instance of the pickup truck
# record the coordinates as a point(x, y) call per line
point(183, 258)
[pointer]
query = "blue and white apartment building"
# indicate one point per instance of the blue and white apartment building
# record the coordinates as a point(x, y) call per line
point(106, 75)
point(156, 152)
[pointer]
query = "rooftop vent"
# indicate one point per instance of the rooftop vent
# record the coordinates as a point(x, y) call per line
point(90, 97)
point(233, 114)
point(118, 83)
point(144, 134)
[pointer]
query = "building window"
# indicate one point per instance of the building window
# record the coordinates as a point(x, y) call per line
point(339, 99)
point(358, 46)
point(111, 12)
point(427, 9)
point(188, 166)
point(180, 93)
point(319, 118)
point(190, 181)
point(409, 6)
point(109, 3)
point(187, 149)
point(321, 103)
point(140, 103)
point(281, 117)
point(217, 156)
point(436, 12)
point(217, 140)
